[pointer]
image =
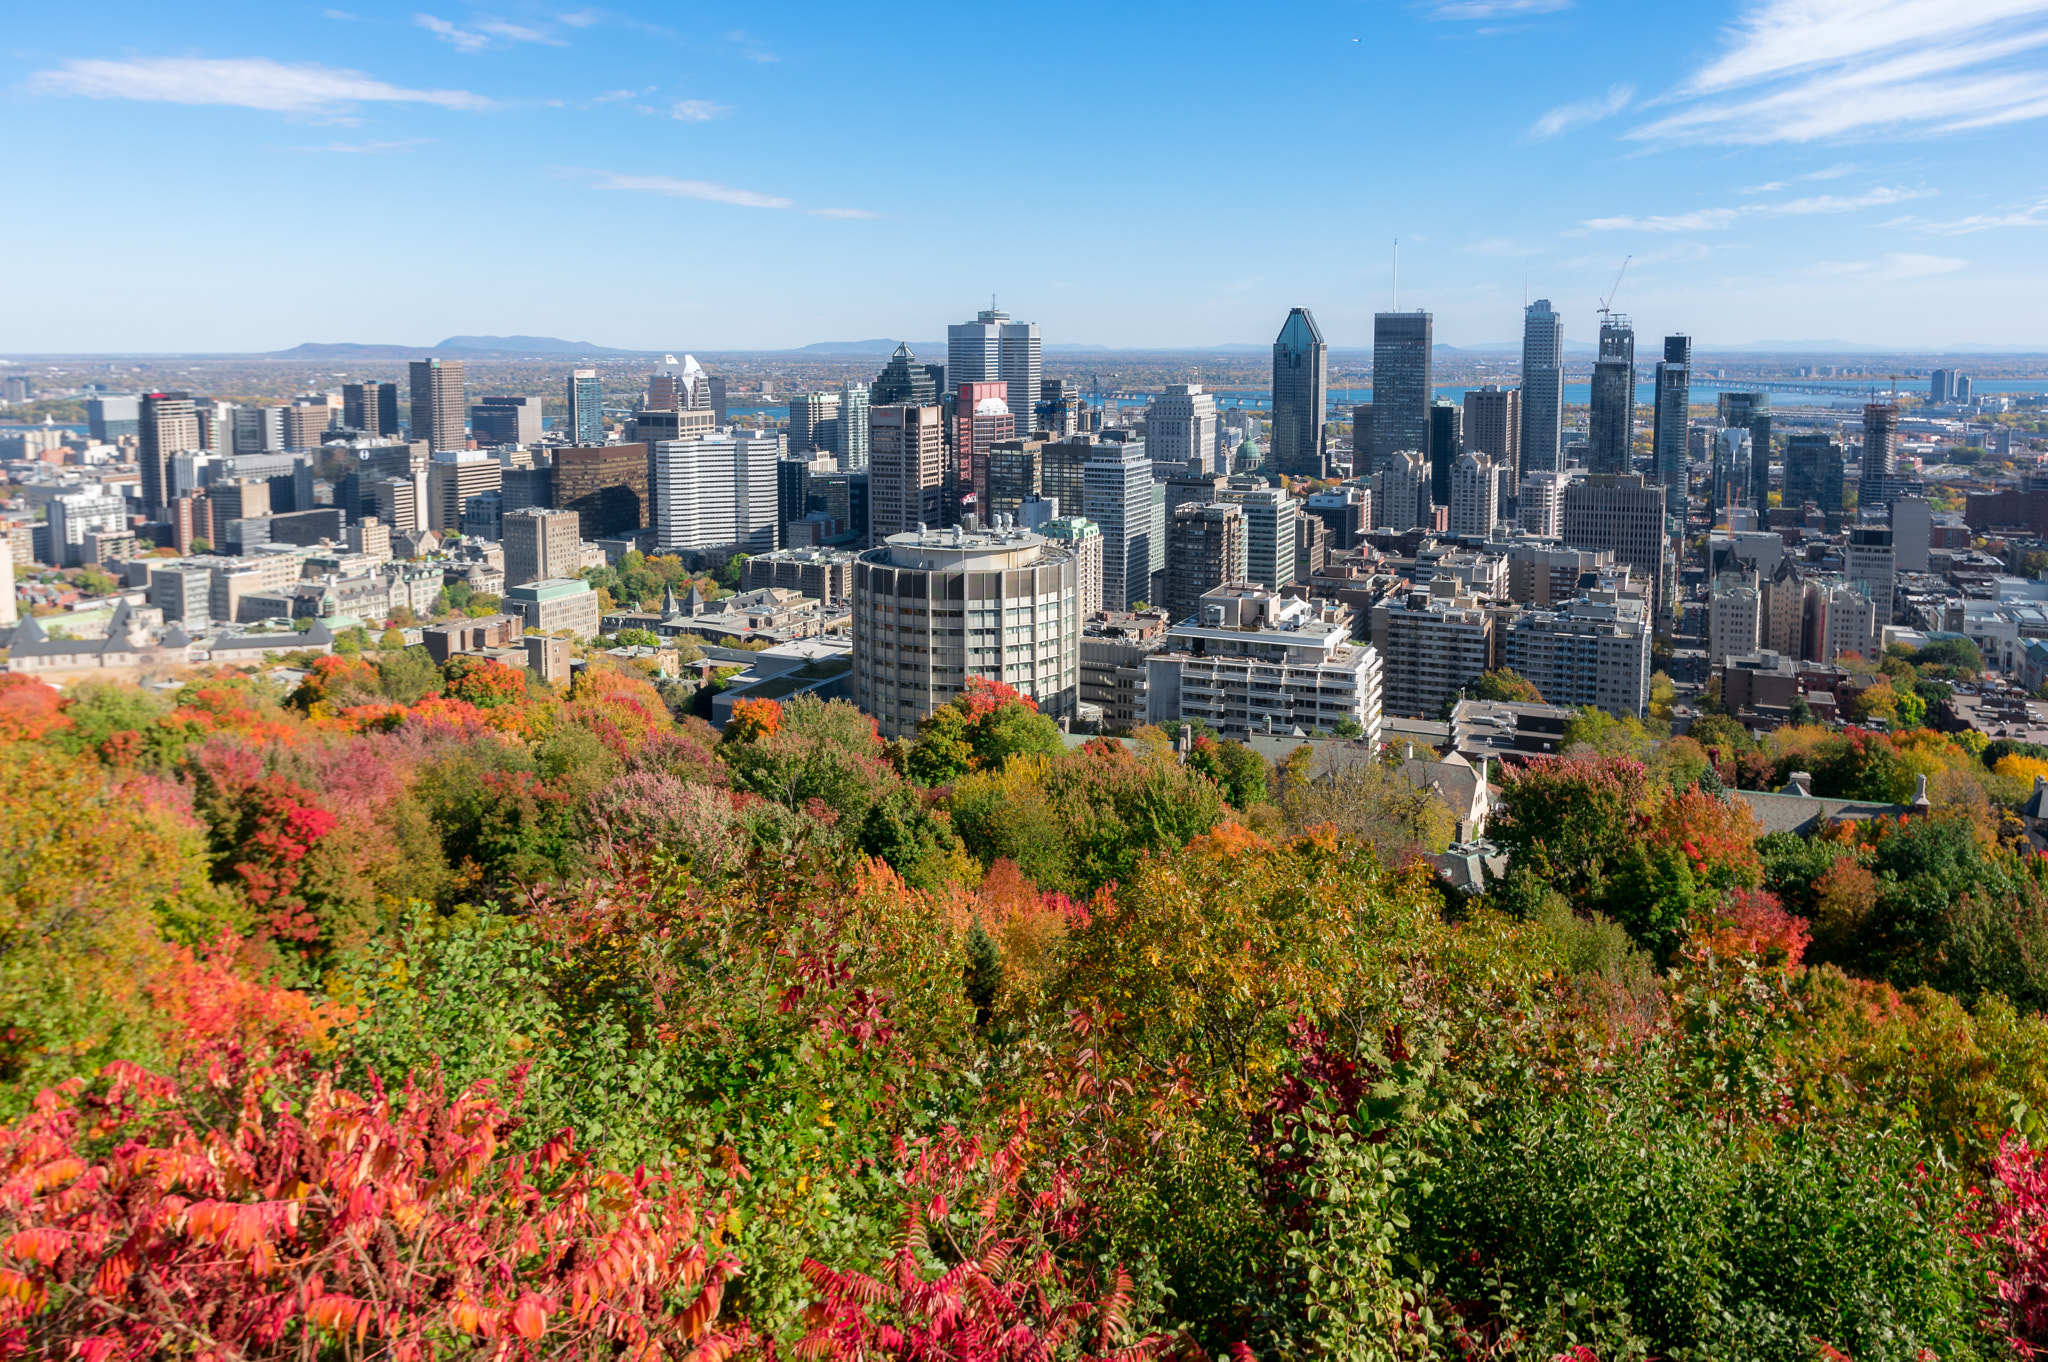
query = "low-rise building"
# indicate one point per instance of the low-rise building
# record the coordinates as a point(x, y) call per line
point(822, 574)
point(555, 605)
point(1114, 646)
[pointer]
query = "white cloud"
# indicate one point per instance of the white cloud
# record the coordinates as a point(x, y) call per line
point(691, 189)
point(1713, 219)
point(518, 33)
point(2020, 215)
point(241, 82)
point(1701, 220)
point(1773, 187)
point(1893, 266)
point(1808, 70)
point(697, 110)
point(450, 33)
point(1566, 116)
point(582, 18)
point(1829, 203)
point(477, 38)
point(1494, 9)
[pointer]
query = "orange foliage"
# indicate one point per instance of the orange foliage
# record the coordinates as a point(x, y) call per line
point(752, 720)
point(29, 709)
point(208, 1001)
point(621, 709)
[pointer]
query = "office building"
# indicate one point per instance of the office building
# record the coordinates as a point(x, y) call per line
point(585, 424)
point(555, 606)
point(306, 424)
point(1401, 498)
point(182, 591)
point(650, 424)
point(166, 424)
point(1436, 643)
point(1542, 389)
point(680, 387)
point(1082, 538)
point(453, 477)
point(256, 430)
point(1813, 473)
point(1622, 514)
point(1205, 549)
point(851, 446)
point(1116, 493)
point(1593, 651)
point(605, 485)
point(932, 610)
point(798, 495)
point(1362, 465)
point(1735, 615)
point(904, 382)
point(1402, 365)
point(1539, 506)
point(439, 404)
point(1347, 511)
point(1670, 423)
point(1059, 408)
point(1446, 443)
point(1114, 647)
point(1181, 426)
point(1311, 547)
point(906, 468)
point(540, 544)
point(1493, 427)
point(1871, 567)
point(98, 510)
point(110, 419)
point(1269, 537)
point(370, 408)
point(1730, 480)
point(396, 503)
point(1475, 495)
point(1060, 469)
point(1253, 661)
point(1301, 380)
point(1015, 472)
point(994, 349)
point(981, 418)
point(1752, 412)
point(717, 492)
point(498, 421)
point(239, 498)
point(1912, 520)
point(369, 536)
point(1611, 428)
point(808, 413)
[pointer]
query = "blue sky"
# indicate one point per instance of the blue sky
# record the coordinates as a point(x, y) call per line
point(726, 175)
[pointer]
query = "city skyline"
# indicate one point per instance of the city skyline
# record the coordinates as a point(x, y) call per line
point(1776, 171)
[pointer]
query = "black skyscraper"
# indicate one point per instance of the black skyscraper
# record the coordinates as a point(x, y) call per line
point(905, 383)
point(1446, 443)
point(1301, 380)
point(1752, 412)
point(1669, 421)
point(1401, 365)
point(1611, 436)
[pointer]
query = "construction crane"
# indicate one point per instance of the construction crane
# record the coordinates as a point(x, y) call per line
point(1607, 303)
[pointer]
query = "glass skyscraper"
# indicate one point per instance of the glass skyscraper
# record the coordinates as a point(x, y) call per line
point(586, 408)
point(851, 444)
point(904, 382)
point(1542, 388)
point(1752, 412)
point(1401, 368)
point(1669, 417)
point(1301, 380)
point(1610, 437)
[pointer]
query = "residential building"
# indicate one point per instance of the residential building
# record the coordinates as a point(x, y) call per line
point(1880, 451)
point(167, 424)
point(1114, 646)
point(1181, 426)
point(605, 485)
point(1542, 389)
point(1751, 412)
point(1269, 515)
point(1735, 616)
point(1475, 495)
point(717, 492)
point(851, 446)
point(585, 426)
point(1348, 513)
point(181, 591)
point(1783, 627)
point(1730, 481)
point(1436, 642)
point(933, 609)
point(370, 536)
point(1610, 435)
point(1205, 549)
point(821, 574)
point(1493, 426)
point(1670, 469)
point(906, 468)
point(1541, 573)
point(1401, 497)
point(438, 403)
point(1311, 547)
point(555, 605)
point(1539, 509)
point(1870, 566)
point(1593, 651)
point(1116, 493)
point(540, 544)
point(1402, 360)
point(1301, 380)
point(1083, 539)
point(1254, 661)
point(97, 510)
point(994, 349)
point(1620, 513)
point(1813, 472)
point(507, 421)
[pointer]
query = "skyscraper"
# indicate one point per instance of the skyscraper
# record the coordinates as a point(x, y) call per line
point(505, 421)
point(1752, 412)
point(851, 447)
point(1301, 379)
point(1181, 426)
point(981, 417)
point(716, 491)
point(1669, 420)
point(904, 382)
point(586, 408)
point(168, 423)
point(1542, 388)
point(606, 485)
point(906, 468)
point(990, 349)
point(1400, 492)
point(1475, 495)
point(1446, 444)
point(438, 403)
point(1611, 430)
point(1619, 513)
point(1493, 426)
point(1813, 472)
point(371, 408)
point(1117, 495)
point(1205, 549)
point(1401, 367)
point(808, 413)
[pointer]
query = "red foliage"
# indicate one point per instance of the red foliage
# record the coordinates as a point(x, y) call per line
point(1751, 924)
point(984, 697)
point(485, 682)
point(129, 1229)
point(217, 1009)
point(262, 825)
point(29, 709)
point(620, 709)
point(2016, 1229)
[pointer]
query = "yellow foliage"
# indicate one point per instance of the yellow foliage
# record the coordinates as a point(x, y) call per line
point(2022, 768)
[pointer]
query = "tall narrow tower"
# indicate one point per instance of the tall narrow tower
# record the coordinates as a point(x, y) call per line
point(1669, 418)
point(994, 349)
point(1542, 387)
point(1301, 381)
point(1401, 378)
point(1611, 433)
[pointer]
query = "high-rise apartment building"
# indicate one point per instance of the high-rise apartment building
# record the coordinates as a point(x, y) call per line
point(1729, 482)
point(438, 404)
point(1880, 450)
point(1620, 513)
point(540, 544)
point(1670, 420)
point(904, 382)
point(1255, 661)
point(1611, 428)
point(1269, 516)
point(1116, 493)
point(994, 349)
point(1542, 389)
point(717, 492)
point(1752, 412)
point(906, 468)
point(166, 424)
point(1475, 495)
point(606, 486)
point(371, 408)
point(1493, 426)
point(1205, 549)
point(851, 446)
point(1539, 506)
point(1871, 567)
point(586, 408)
point(1346, 510)
point(1436, 643)
point(1813, 472)
point(1401, 497)
point(1402, 365)
point(1591, 651)
point(1181, 426)
point(1446, 444)
point(808, 413)
point(1082, 538)
point(506, 421)
point(1301, 380)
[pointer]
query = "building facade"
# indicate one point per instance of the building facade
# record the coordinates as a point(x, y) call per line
point(1301, 381)
point(1181, 426)
point(1253, 661)
point(1592, 651)
point(994, 349)
point(605, 485)
point(1618, 512)
point(1670, 423)
point(906, 469)
point(438, 403)
point(1542, 389)
point(716, 492)
point(1403, 363)
point(1610, 432)
point(540, 544)
point(1493, 427)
